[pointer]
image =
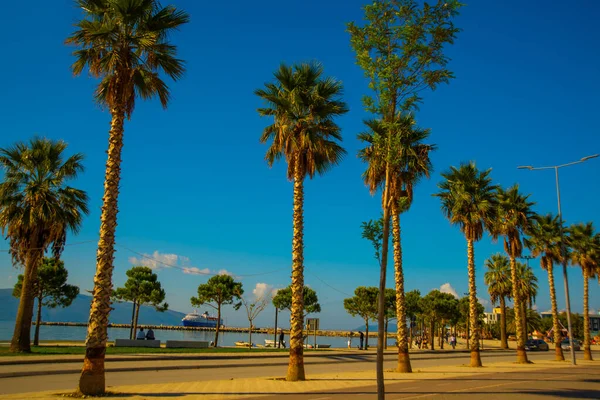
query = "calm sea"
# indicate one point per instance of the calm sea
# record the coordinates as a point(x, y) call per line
point(225, 338)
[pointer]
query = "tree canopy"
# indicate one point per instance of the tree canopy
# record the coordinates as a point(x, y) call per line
point(142, 287)
point(50, 285)
point(283, 300)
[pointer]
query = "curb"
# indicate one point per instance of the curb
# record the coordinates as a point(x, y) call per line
point(353, 358)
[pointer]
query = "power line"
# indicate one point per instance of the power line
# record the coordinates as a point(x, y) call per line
point(42, 248)
point(328, 285)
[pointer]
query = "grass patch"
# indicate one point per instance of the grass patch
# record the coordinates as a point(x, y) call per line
point(65, 350)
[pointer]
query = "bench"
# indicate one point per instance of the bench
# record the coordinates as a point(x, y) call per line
point(136, 343)
point(187, 344)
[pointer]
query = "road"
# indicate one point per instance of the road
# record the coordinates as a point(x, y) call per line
point(203, 370)
point(582, 382)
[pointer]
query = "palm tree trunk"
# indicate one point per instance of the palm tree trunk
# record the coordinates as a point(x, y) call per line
point(218, 327)
point(403, 356)
point(587, 352)
point(555, 322)
point(295, 370)
point(503, 337)
point(38, 319)
point(521, 354)
point(474, 318)
point(21, 340)
point(92, 380)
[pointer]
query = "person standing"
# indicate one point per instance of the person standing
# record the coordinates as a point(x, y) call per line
point(281, 339)
point(362, 340)
point(350, 340)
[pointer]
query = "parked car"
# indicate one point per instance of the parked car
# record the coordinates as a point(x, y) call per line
point(566, 345)
point(536, 345)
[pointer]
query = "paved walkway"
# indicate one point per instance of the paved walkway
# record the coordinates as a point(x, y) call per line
point(425, 382)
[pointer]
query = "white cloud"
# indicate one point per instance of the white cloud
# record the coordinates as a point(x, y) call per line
point(159, 260)
point(447, 288)
point(195, 271)
point(224, 272)
point(262, 289)
point(483, 302)
point(535, 307)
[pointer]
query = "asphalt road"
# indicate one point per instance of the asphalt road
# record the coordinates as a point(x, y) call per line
point(569, 383)
point(203, 370)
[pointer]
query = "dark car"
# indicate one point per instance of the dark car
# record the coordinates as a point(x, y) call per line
point(536, 345)
point(566, 345)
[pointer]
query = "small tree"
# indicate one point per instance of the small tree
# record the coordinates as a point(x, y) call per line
point(219, 290)
point(413, 309)
point(50, 288)
point(283, 300)
point(142, 287)
point(253, 309)
point(390, 310)
point(438, 307)
point(363, 304)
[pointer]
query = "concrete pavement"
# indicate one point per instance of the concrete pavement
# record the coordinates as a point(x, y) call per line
point(544, 379)
point(435, 376)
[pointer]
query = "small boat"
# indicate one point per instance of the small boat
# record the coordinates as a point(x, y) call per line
point(308, 346)
point(269, 343)
point(243, 344)
point(323, 346)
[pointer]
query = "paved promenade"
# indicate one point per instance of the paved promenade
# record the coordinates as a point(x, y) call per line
point(336, 376)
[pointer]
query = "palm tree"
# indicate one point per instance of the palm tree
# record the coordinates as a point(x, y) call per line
point(497, 279)
point(545, 241)
point(514, 216)
point(469, 200)
point(303, 104)
point(125, 44)
point(527, 287)
point(37, 209)
point(585, 252)
point(410, 165)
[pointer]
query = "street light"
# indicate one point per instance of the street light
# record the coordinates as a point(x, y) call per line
point(562, 241)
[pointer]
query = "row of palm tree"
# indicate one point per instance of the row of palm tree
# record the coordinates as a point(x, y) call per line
point(125, 45)
point(470, 200)
point(581, 247)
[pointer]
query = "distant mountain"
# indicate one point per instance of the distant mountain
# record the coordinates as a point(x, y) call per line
point(79, 311)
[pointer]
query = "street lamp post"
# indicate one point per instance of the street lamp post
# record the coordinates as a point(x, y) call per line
point(562, 242)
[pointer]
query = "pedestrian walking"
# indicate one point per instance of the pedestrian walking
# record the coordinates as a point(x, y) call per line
point(361, 339)
point(281, 339)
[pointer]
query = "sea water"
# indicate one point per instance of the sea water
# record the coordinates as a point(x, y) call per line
point(78, 333)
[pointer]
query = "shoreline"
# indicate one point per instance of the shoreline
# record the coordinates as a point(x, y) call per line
point(330, 333)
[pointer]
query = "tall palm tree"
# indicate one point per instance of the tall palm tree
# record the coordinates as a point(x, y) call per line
point(585, 252)
point(125, 44)
point(527, 288)
point(303, 104)
point(497, 279)
point(37, 209)
point(545, 241)
point(411, 163)
point(469, 201)
point(514, 217)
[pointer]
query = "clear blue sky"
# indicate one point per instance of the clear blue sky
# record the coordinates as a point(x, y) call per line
point(195, 183)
